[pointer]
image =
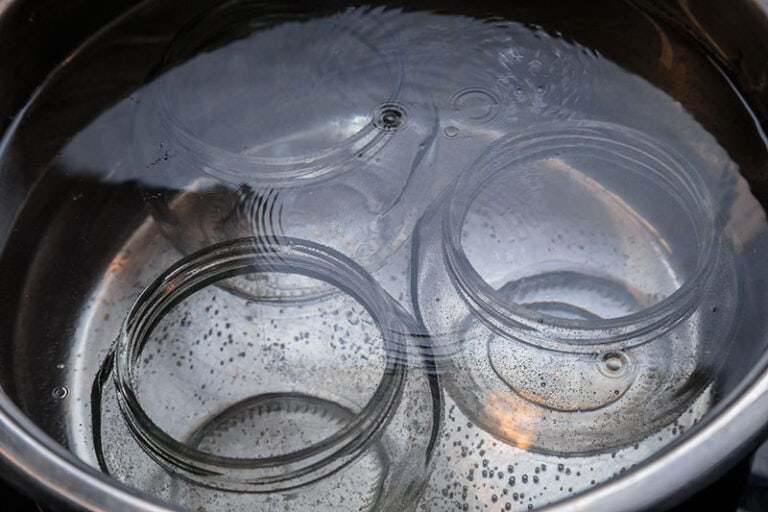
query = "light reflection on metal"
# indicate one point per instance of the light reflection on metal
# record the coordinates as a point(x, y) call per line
point(514, 419)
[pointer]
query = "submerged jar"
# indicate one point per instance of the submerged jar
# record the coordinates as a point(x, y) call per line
point(211, 400)
point(576, 287)
point(267, 124)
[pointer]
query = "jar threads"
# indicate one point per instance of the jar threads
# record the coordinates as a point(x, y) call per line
point(356, 432)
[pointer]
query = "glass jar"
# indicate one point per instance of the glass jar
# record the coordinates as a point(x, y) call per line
point(213, 400)
point(272, 125)
point(576, 288)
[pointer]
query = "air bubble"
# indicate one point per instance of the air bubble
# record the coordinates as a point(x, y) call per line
point(614, 364)
point(389, 117)
point(475, 104)
point(60, 392)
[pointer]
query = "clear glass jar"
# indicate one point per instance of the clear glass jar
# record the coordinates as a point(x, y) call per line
point(576, 288)
point(216, 400)
point(270, 126)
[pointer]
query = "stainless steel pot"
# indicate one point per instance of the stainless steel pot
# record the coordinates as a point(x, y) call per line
point(37, 36)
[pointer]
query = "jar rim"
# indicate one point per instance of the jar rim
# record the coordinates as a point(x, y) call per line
point(236, 257)
point(230, 166)
point(575, 335)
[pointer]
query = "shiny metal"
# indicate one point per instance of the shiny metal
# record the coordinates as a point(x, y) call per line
point(36, 35)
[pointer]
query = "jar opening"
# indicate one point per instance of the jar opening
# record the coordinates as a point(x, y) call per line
point(583, 233)
point(221, 70)
point(213, 452)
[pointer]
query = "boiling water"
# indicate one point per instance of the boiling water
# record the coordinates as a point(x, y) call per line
point(350, 128)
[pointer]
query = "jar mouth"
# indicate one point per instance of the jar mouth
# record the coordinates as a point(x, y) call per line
point(271, 471)
point(362, 119)
point(569, 327)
